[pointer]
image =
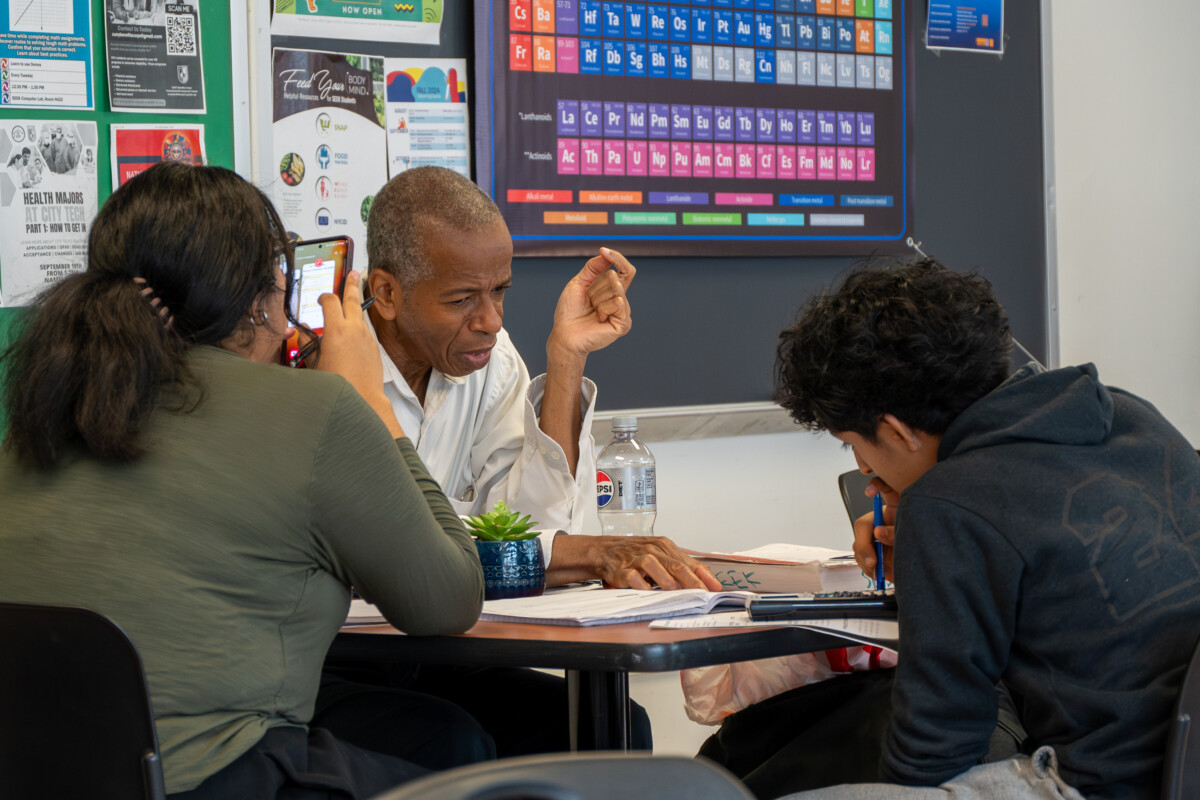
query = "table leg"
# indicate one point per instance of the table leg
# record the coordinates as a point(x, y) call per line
point(607, 714)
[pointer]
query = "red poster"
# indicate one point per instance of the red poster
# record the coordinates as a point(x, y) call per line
point(138, 147)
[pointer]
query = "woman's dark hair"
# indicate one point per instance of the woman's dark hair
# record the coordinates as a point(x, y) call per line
point(96, 352)
point(914, 340)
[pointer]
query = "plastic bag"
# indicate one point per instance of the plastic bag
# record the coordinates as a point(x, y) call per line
point(712, 693)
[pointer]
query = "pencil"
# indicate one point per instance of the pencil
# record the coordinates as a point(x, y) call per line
point(308, 349)
point(880, 581)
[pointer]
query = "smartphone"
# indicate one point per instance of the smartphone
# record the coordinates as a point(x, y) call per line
point(321, 266)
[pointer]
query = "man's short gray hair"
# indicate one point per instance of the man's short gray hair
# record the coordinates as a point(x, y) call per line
point(404, 209)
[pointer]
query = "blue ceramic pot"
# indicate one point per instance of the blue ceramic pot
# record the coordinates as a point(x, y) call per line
point(511, 569)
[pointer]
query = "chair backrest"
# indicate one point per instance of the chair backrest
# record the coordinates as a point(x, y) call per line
point(75, 716)
point(1181, 765)
point(578, 776)
point(852, 484)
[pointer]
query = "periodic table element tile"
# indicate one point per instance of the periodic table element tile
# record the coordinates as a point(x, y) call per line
point(702, 26)
point(745, 160)
point(614, 157)
point(743, 28)
point(847, 164)
point(806, 6)
point(743, 119)
point(864, 8)
point(845, 128)
point(681, 159)
point(865, 75)
point(680, 22)
point(865, 134)
point(806, 32)
point(658, 22)
point(568, 156)
point(845, 8)
point(785, 6)
point(702, 123)
point(591, 118)
point(543, 53)
point(722, 26)
point(785, 125)
point(614, 119)
point(764, 30)
point(702, 160)
point(543, 16)
point(764, 66)
point(883, 38)
point(826, 127)
point(660, 121)
point(806, 163)
point(764, 131)
point(723, 125)
point(786, 161)
point(681, 121)
point(520, 52)
point(636, 120)
point(566, 17)
point(785, 67)
point(826, 6)
point(660, 159)
point(657, 54)
point(520, 15)
point(568, 118)
point(806, 69)
point(866, 164)
point(590, 21)
point(590, 59)
point(785, 31)
point(567, 54)
point(614, 57)
point(826, 69)
point(826, 33)
point(681, 61)
point(636, 60)
point(613, 17)
point(743, 64)
point(702, 62)
point(591, 156)
point(883, 72)
point(636, 158)
point(864, 36)
point(806, 127)
point(846, 70)
point(845, 36)
point(722, 63)
point(883, 9)
point(635, 20)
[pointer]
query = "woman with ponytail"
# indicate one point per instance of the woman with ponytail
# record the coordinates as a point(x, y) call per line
point(163, 470)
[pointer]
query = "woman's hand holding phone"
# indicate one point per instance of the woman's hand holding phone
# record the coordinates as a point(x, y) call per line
point(348, 349)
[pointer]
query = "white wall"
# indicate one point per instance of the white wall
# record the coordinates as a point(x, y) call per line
point(1126, 120)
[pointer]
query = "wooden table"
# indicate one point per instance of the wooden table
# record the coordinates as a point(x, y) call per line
point(598, 659)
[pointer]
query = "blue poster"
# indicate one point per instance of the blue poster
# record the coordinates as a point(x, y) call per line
point(977, 25)
point(46, 54)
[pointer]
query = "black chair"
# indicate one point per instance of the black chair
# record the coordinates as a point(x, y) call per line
point(852, 484)
point(75, 717)
point(1181, 766)
point(578, 776)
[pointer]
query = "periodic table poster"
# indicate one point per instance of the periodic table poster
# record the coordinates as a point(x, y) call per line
point(705, 127)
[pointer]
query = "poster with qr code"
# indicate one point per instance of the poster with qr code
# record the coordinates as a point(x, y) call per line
point(154, 62)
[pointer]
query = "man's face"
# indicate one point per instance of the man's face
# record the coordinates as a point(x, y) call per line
point(889, 457)
point(450, 320)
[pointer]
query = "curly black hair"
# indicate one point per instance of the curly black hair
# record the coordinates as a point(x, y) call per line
point(911, 339)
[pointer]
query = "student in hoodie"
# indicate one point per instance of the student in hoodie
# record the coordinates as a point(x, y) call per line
point(1041, 531)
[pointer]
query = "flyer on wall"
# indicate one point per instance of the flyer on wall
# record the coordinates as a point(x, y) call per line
point(154, 60)
point(414, 22)
point(975, 27)
point(328, 143)
point(138, 147)
point(427, 122)
point(46, 54)
point(48, 183)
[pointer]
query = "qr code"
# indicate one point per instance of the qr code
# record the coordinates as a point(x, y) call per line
point(181, 35)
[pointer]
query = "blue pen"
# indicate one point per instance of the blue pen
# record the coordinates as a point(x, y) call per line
point(879, 579)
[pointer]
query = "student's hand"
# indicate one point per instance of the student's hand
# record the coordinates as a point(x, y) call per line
point(593, 311)
point(865, 532)
point(348, 349)
point(634, 562)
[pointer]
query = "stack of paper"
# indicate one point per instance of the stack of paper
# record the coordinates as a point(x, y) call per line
point(608, 606)
point(786, 568)
point(882, 632)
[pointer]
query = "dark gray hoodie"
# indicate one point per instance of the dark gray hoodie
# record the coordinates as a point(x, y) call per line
point(1055, 545)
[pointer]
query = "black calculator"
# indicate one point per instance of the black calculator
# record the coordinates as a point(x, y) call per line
point(823, 605)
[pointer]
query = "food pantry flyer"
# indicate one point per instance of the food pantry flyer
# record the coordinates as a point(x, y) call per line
point(136, 148)
point(329, 143)
point(47, 203)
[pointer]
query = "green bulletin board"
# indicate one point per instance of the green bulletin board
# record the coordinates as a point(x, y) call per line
point(217, 121)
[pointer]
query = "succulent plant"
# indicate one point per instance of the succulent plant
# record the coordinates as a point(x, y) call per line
point(501, 525)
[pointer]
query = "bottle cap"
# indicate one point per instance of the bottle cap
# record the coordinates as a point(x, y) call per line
point(624, 423)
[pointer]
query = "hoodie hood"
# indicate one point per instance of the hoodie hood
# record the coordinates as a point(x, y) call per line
point(1064, 406)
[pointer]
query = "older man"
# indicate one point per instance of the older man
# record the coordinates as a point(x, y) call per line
point(441, 263)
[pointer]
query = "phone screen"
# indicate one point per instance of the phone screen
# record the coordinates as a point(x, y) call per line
point(320, 268)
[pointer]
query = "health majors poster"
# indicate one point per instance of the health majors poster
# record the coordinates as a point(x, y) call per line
point(48, 198)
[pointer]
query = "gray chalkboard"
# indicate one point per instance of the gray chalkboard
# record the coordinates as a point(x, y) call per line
point(705, 329)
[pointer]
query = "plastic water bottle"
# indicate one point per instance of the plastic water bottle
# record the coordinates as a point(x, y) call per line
point(625, 495)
